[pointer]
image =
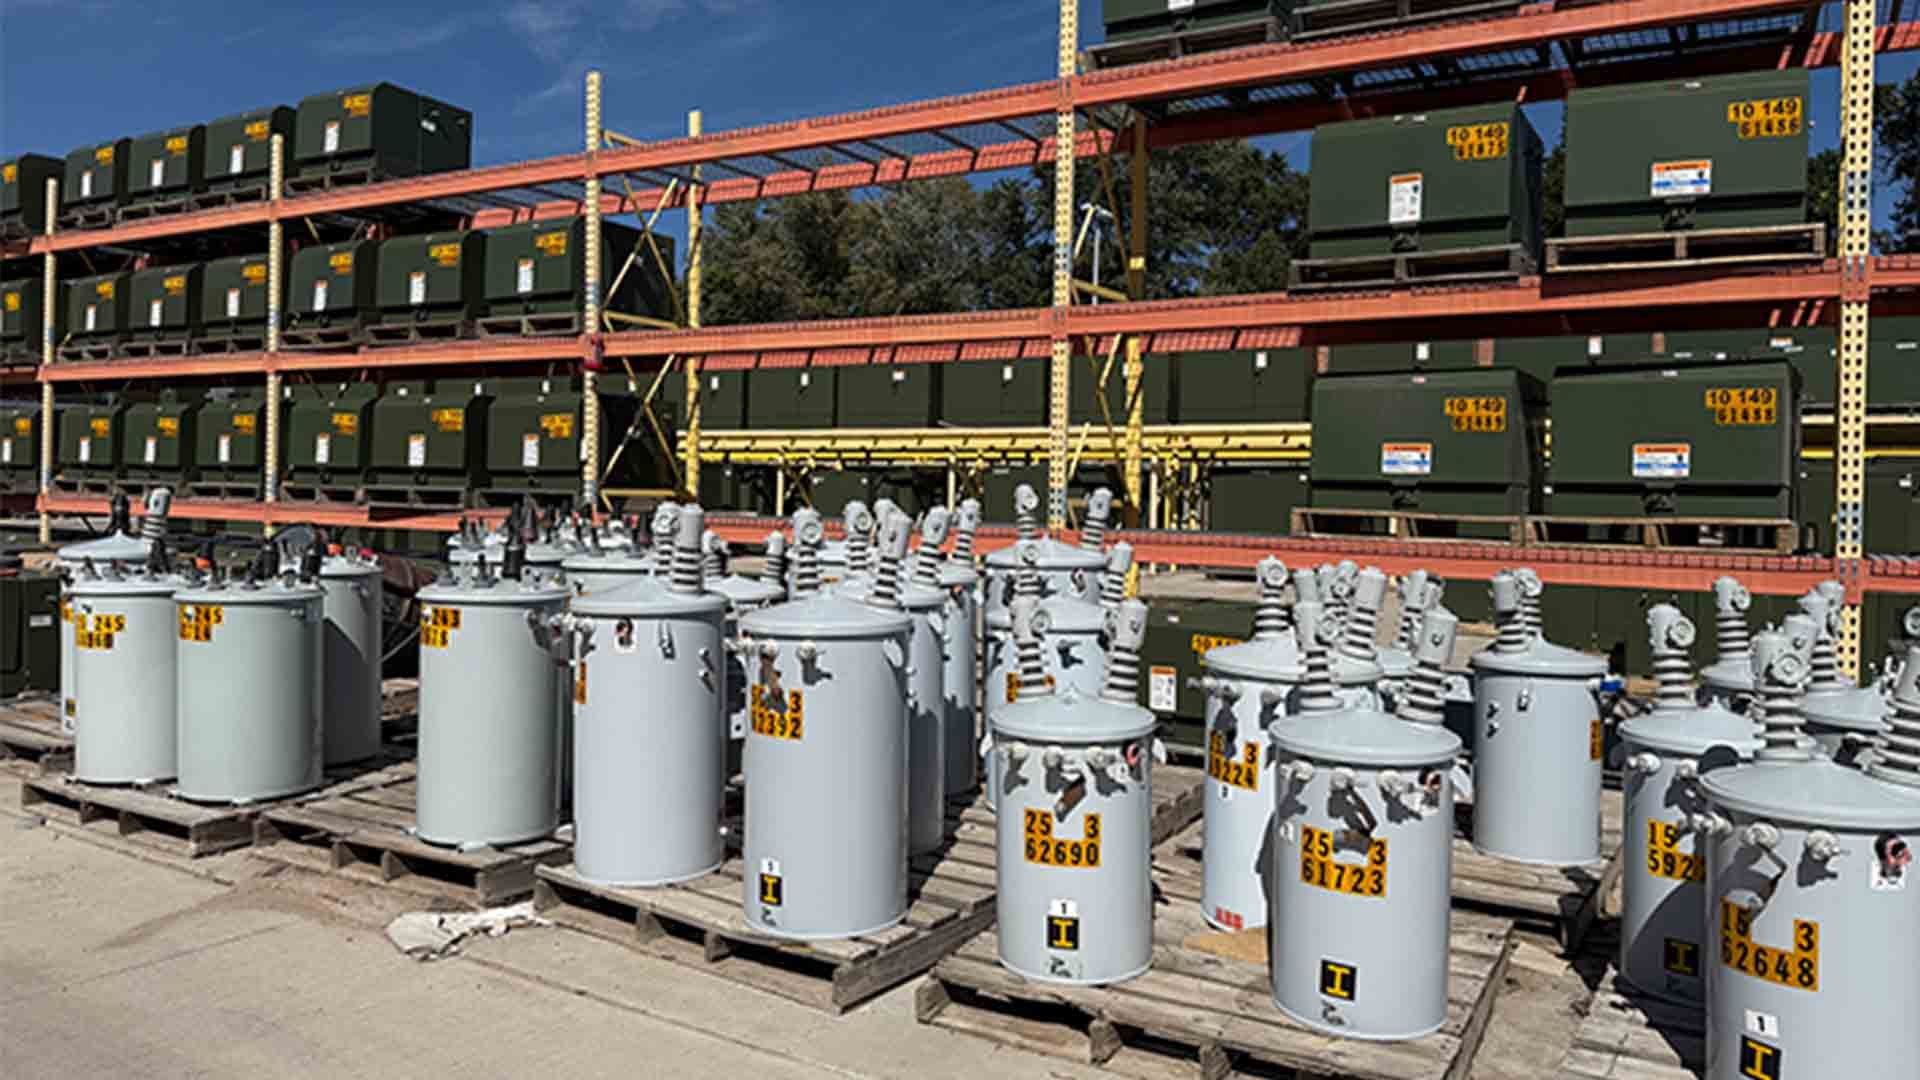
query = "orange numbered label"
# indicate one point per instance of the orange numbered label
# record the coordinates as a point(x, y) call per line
point(1797, 967)
point(777, 716)
point(1241, 770)
point(1045, 849)
point(1665, 859)
point(1320, 869)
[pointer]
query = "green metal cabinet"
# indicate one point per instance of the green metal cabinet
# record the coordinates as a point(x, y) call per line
point(1133, 20)
point(1159, 391)
point(23, 193)
point(330, 290)
point(161, 440)
point(1708, 440)
point(1809, 349)
point(239, 153)
point(429, 443)
point(536, 271)
point(888, 395)
point(230, 441)
point(97, 309)
point(1891, 497)
point(29, 631)
point(165, 165)
point(533, 441)
point(234, 300)
point(913, 490)
point(163, 304)
point(1893, 361)
point(95, 176)
point(431, 278)
point(1400, 356)
point(1255, 500)
point(1246, 386)
point(88, 456)
point(1714, 153)
point(379, 131)
point(792, 397)
point(995, 393)
point(21, 322)
point(19, 449)
point(723, 398)
point(1179, 633)
point(329, 431)
point(1444, 180)
point(1540, 357)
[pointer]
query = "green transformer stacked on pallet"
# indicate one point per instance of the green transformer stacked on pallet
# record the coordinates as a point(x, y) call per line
point(1159, 391)
point(234, 304)
point(534, 432)
point(330, 295)
point(995, 394)
point(23, 194)
point(723, 398)
point(888, 395)
point(94, 184)
point(377, 132)
point(1133, 20)
point(1326, 18)
point(21, 322)
point(1451, 195)
point(160, 442)
point(1810, 349)
point(1893, 361)
point(1697, 441)
point(1255, 499)
point(88, 457)
point(536, 274)
point(1687, 172)
point(429, 444)
point(238, 164)
point(96, 317)
point(229, 449)
point(1247, 386)
point(1180, 630)
point(19, 449)
point(29, 628)
point(329, 442)
point(164, 170)
point(785, 398)
point(163, 310)
point(1456, 444)
point(428, 287)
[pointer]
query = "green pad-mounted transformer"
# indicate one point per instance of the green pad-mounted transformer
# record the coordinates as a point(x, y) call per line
point(329, 430)
point(1702, 440)
point(239, 158)
point(94, 182)
point(234, 303)
point(723, 399)
point(1810, 349)
point(163, 307)
point(1247, 386)
point(889, 395)
point(995, 393)
point(1451, 180)
point(19, 449)
point(429, 445)
point(1180, 630)
point(88, 457)
point(377, 132)
point(29, 630)
point(1448, 442)
point(1133, 20)
point(161, 441)
point(1327, 18)
point(1688, 154)
point(23, 194)
point(330, 294)
point(96, 315)
point(428, 286)
point(792, 397)
point(1893, 361)
point(1400, 356)
point(536, 274)
point(1159, 390)
point(534, 441)
point(1257, 500)
point(21, 321)
point(230, 444)
point(165, 166)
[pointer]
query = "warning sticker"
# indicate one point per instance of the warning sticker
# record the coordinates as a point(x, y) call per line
point(330, 137)
point(1163, 685)
point(245, 423)
point(152, 448)
point(445, 254)
point(156, 312)
point(92, 319)
point(226, 449)
point(417, 287)
point(322, 449)
point(450, 420)
point(341, 261)
point(12, 301)
point(86, 450)
point(1406, 459)
point(86, 184)
point(523, 276)
point(530, 451)
point(557, 425)
point(6, 452)
point(1682, 179)
point(157, 173)
point(1662, 461)
point(104, 290)
point(357, 104)
point(100, 426)
point(1404, 198)
point(236, 158)
point(233, 303)
point(416, 451)
point(320, 295)
point(255, 273)
point(346, 423)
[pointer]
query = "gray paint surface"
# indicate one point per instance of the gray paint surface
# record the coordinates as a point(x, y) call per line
point(350, 686)
point(249, 692)
point(1536, 768)
point(125, 727)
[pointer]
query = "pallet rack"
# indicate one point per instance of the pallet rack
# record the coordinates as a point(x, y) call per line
point(1134, 110)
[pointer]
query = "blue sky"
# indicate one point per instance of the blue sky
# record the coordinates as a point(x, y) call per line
point(123, 67)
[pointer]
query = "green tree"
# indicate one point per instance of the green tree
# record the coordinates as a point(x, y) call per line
point(917, 250)
point(1896, 117)
point(778, 261)
point(1823, 194)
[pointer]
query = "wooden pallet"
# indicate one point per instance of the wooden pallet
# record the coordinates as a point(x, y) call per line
point(367, 827)
point(151, 208)
point(88, 351)
point(1503, 262)
point(1629, 1036)
point(156, 348)
point(246, 341)
point(230, 196)
point(100, 217)
point(1179, 43)
point(413, 333)
point(348, 494)
point(1777, 536)
point(231, 490)
point(556, 325)
point(1698, 247)
point(321, 338)
point(148, 813)
point(1361, 16)
point(328, 181)
point(1404, 524)
point(418, 497)
point(1206, 1002)
point(30, 730)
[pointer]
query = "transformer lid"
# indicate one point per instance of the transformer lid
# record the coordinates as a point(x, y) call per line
point(1693, 731)
point(607, 561)
point(952, 573)
point(825, 615)
point(1540, 658)
point(521, 593)
point(1279, 660)
point(1065, 615)
point(745, 591)
point(1861, 709)
point(234, 594)
point(1054, 555)
point(1816, 792)
point(1364, 737)
point(913, 596)
point(648, 596)
point(118, 547)
point(141, 585)
point(1071, 717)
point(341, 566)
point(1729, 676)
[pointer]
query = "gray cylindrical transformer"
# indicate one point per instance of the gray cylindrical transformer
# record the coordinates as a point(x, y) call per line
point(1668, 751)
point(125, 639)
point(1074, 777)
point(742, 595)
point(1844, 719)
point(1538, 744)
point(601, 568)
point(1065, 570)
point(489, 712)
point(825, 852)
point(1071, 652)
point(926, 711)
point(649, 735)
point(248, 687)
point(962, 679)
point(350, 681)
point(116, 547)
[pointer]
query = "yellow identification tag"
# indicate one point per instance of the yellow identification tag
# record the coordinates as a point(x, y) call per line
point(1797, 968)
point(437, 626)
point(1478, 142)
point(1484, 414)
point(775, 718)
point(1664, 859)
point(1319, 868)
point(1043, 849)
point(1241, 771)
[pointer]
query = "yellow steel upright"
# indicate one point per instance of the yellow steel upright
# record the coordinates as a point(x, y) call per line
point(1065, 131)
point(1856, 220)
point(1136, 346)
point(48, 288)
point(690, 448)
point(276, 263)
point(590, 314)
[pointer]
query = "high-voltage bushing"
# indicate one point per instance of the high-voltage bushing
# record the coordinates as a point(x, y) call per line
point(1065, 570)
point(1419, 591)
point(850, 555)
point(1361, 850)
point(1668, 751)
point(1072, 655)
point(1728, 681)
point(1538, 741)
point(743, 594)
point(1843, 718)
point(120, 545)
point(1810, 892)
point(125, 642)
point(961, 583)
point(648, 728)
point(603, 562)
point(247, 681)
point(543, 547)
point(1073, 777)
point(1113, 582)
point(926, 605)
point(490, 699)
point(351, 654)
point(825, 851)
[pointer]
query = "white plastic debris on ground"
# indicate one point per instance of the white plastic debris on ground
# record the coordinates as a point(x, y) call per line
point(430, 935)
